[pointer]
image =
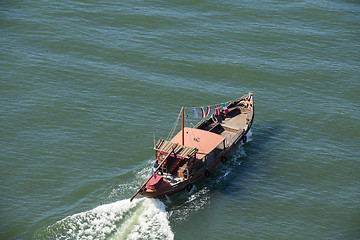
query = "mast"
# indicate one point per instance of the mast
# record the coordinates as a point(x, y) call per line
point(182, 126)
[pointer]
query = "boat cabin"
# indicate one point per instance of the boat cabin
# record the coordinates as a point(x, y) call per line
point(200, 149)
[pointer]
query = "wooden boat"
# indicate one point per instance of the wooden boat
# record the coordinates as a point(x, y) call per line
point(194, 152)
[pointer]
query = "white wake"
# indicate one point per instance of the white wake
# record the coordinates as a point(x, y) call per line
point(140, 219)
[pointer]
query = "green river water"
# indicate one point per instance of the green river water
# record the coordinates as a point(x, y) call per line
point(86, 85)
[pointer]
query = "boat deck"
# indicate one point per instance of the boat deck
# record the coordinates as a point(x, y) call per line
point(230, 124)
point(236, 123)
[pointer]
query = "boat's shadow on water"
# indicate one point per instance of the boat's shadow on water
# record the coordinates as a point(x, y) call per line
point(243, 165)
point(231, 177)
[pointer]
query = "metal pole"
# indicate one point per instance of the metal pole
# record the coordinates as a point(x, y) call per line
point(182, 128)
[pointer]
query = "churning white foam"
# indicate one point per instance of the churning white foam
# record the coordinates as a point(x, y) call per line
point(248, 136)
point(140, 219)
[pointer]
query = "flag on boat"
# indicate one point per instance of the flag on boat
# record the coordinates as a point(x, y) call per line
point(195, 114)
point(203, 113)
point(225, 108)
point(217, 110)
point(208, 111)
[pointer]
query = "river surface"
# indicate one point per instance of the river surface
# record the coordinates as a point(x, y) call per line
point(86, 86)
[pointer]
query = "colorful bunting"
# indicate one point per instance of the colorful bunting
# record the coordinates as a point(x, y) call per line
point(203, 114)
point(195, 114)
point(208, 111)
point(225, 108)
point(217, 110)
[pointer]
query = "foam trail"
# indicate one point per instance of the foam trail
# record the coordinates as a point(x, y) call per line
point(248, 136)
point(140, 219)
